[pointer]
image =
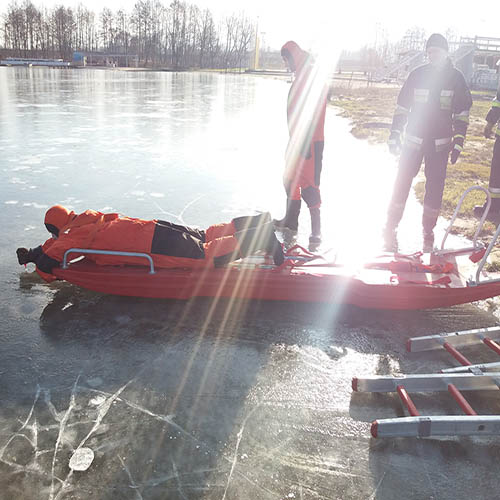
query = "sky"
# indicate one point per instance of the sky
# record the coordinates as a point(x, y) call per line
point(349, 24)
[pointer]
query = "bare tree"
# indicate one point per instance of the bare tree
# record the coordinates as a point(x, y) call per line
point(63, 26)
point(177, 34)
point(122, 34)
point(31, 18)
point(244, 37)
point(14, 27)
point(107, 29)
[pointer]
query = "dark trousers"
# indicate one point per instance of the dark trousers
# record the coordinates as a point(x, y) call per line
point(175, 240)
point(435, 175)
point(302, 175)
point(494, 184)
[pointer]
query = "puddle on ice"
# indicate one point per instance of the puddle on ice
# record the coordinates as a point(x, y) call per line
point(94, 382)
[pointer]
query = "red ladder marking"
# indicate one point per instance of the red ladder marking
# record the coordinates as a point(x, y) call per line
point(459, 357)
point(405, 398)
point(492, 344)
point(460, 399)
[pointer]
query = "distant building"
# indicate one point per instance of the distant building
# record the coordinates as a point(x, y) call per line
point(477, 58)
point(26, 61)
point(111, 60)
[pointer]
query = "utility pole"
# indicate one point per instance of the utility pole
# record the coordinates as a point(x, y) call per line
point(257, 47)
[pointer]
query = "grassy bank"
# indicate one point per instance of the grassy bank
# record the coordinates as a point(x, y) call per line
point(370, 110)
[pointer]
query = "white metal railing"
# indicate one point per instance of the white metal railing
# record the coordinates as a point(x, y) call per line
point(481, 264)
point(475, 246)
point(455, 214)
point(108, 252)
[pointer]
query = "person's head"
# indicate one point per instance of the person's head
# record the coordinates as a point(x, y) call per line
point(293, 56)
point(437, 49)
point(56, 218)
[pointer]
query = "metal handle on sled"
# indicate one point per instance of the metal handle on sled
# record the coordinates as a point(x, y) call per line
point(457, 209)
point(483, 261)
point(108, 252)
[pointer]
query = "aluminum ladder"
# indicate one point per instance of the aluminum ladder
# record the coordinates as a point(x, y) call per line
point(467, 377)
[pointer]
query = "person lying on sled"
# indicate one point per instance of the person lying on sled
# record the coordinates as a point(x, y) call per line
point(169, 245)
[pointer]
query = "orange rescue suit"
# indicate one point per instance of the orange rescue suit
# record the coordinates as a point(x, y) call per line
point(306, 110)
point(170, 245)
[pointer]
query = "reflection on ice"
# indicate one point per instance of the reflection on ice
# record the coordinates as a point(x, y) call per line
point(33, 204)
point(31, 160)
point(17, 180)
point(67, 140)
point(33, 105)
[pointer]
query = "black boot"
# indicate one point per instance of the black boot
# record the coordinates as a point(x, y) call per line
point(247, 222)
point(429, 220)
point(260, 238)
point(428, 240)
point(478, 210)
point(390, 236)
point(291, 219)
point(275, 248)
point(315, 238)
point(493, 212)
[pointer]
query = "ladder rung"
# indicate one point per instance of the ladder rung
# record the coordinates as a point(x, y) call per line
point(458, 356)
point(442, 425)
point(492, 345)
point(405, 398)
point(460, 399)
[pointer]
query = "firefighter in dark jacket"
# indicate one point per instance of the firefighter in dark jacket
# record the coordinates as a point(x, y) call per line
point(169, 245)
point(434, 105)
point(492, 119)
point(306, 108)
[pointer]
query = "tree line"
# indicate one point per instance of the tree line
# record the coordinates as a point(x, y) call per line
point(177, 35)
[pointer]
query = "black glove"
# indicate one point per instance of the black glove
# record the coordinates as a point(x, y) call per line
point(24, 256)
point(456, 148)
point(394, 142)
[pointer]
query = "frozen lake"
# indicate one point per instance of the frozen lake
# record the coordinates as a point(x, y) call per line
point(201, 399)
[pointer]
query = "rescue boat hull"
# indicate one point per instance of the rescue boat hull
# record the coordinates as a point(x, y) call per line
point(372, 288)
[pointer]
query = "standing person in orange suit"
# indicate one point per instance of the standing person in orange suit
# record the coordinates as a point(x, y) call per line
point(306, 110)
point(170, 245)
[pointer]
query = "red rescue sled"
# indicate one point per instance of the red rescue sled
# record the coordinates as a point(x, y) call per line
point(391, 281)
